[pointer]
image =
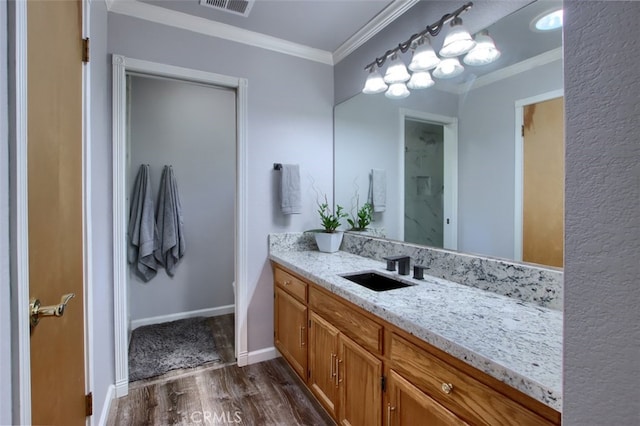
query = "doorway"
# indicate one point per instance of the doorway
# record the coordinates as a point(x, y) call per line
point(539, 218)
point(429, 188)
point(188, 171)
point(181, 314)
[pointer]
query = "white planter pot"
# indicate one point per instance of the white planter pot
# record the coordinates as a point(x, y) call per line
point(329, 242)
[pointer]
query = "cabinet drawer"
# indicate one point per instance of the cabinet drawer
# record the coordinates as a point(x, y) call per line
point(358, 327)
point(470, 399)
point(292, 285)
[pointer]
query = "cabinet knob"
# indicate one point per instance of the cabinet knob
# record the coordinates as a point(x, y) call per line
point(447, 388)
point(287, 282)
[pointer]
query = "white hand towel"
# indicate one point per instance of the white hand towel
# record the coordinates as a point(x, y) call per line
point(290, 194)
point(378, 190)
point(143, 233)
point(170, 223)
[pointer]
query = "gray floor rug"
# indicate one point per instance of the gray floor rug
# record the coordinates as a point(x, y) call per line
point(158, 348)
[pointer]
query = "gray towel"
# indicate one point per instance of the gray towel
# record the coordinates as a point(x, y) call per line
point(170, 223)
point(143, 233)
point(378, 190)
point(290, 195)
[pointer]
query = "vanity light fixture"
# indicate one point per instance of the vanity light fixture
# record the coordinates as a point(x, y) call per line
point(458, 41)
point(484, 52)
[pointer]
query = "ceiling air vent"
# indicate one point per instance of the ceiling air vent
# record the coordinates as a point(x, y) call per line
point(237, 7)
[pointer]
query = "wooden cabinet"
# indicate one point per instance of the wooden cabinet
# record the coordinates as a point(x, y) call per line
point(408, 405)
point(350, 351)
point(323, 362)
point(360, 387)
point(291, 331)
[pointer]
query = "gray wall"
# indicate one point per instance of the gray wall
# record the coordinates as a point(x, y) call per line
point(486, 166)
point(5, 293)
point(290, 121)
point(102, 335)
point(602, 223)
point(192, 128)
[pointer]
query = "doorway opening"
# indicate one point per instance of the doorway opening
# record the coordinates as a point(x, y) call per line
point(181, 154)
point(211, 185)
point(429, 188)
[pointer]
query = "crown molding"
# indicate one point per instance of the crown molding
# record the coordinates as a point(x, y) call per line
point(373, 27)
point(181, 20)
point(506, 72)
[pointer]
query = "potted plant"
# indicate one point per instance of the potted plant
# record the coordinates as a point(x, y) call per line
point(363, 219)
point(329, 238)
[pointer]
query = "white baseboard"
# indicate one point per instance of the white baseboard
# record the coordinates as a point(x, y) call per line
point(209, 312)
point(122, 388)
point(261, 355)
point(106, 407)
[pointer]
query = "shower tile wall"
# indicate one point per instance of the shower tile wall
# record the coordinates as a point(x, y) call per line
point(424, 179)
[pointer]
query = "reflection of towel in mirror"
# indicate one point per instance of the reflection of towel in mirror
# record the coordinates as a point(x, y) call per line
point(170, 223)
point(290, 195)
point(378, 190)
point(143, 233)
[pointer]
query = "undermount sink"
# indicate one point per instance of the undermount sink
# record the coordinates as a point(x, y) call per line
point(375, 281)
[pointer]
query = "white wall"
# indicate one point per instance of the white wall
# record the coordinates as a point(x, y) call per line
point(486, 165)
point(602, 222)
point(367, 136)
point(290, 104)
point(101, 211)
point(191, 127)
point(5, 277)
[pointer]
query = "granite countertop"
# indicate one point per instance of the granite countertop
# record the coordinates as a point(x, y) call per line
point(515, 342)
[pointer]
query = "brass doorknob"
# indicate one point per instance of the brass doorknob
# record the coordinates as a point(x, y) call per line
point(38, 311)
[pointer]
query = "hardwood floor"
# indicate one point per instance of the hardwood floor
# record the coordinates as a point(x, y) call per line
point(268, 393)
point(218, 393)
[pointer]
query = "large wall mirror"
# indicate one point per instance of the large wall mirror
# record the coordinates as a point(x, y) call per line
point(474, 163)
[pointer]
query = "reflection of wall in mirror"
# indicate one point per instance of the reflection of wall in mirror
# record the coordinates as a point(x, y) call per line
point(367, 135)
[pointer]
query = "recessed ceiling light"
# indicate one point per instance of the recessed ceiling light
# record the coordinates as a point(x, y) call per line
point(548, 21)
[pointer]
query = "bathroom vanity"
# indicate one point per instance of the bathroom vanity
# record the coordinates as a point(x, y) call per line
point(436, 350)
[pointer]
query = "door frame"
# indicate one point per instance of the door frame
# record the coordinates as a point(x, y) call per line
point(121, 67)
point(450, 125)
point(518, 210)
point(18, 210)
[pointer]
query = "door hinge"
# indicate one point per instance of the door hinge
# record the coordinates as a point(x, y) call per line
point(383, 383)
point(85, 50)
point(308, 374)
point(309, 323)
point(522, 129)
point(88, 404)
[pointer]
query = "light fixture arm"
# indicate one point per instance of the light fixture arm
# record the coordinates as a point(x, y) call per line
point(433, 30)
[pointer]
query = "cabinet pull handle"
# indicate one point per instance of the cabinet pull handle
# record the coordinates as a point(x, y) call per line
point(389, 410)
point(337, 373)
point(287, 282)
point(332, 374)
point(447, 388)
point(338, 370)
point(302, 343)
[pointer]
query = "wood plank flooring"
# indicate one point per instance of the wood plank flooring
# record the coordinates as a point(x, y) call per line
point(268, 393)
point(218, 393)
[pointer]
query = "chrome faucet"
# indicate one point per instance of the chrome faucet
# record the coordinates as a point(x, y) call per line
point(403, 264)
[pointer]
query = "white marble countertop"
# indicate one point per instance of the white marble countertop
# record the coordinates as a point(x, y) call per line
point(518, 343)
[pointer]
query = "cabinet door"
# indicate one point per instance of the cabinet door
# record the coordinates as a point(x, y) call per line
point(408, 405)
point(360, 387)
point(291, 331)
point(323, 361)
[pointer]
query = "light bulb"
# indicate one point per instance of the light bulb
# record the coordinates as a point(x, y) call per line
point(484, 52)
point(396, 71)
point(420, 80)
point(375, 83)
point(448, 68)
point(397, 91)
point(458, 40)
point(424, 58)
